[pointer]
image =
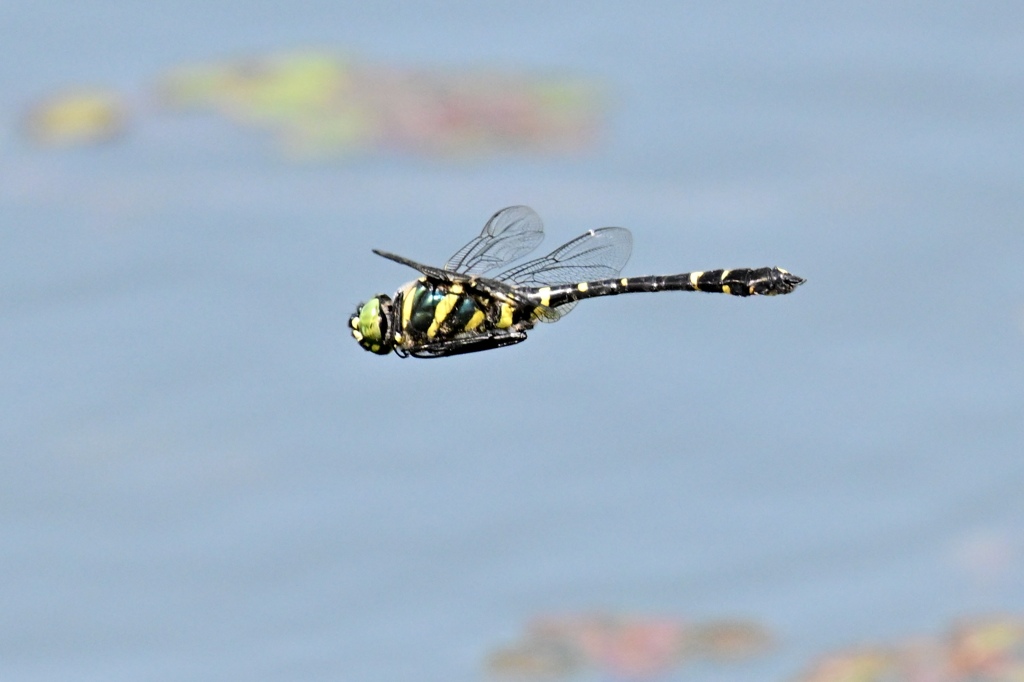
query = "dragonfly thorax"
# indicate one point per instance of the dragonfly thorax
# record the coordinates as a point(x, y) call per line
point(372, 325)
point(433, 310)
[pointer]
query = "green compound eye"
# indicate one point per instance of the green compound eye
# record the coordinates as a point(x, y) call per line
point(370, 325)
point(369, 321)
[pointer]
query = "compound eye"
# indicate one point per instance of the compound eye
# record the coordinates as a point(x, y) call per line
point(371, 323)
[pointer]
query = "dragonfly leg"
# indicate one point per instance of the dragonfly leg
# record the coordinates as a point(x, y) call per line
point(468, 344)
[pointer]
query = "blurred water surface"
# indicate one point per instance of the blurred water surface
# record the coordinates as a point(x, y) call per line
point(202, 477)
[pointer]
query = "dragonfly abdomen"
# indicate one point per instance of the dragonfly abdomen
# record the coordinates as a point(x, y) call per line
point(736, 282)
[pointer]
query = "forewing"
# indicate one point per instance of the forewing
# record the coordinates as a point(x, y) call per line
point(511, 233)
point(427, 270)
point(597, 254)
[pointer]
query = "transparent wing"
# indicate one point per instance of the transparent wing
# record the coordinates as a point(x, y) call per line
point(511, 233)
point(597, 254)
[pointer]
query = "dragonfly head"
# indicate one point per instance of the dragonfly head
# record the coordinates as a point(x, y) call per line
point(371, 325)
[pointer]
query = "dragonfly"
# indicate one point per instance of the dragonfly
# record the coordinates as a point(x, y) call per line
point(457, 309)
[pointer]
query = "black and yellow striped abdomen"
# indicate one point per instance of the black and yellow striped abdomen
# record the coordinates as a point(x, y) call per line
point(737, 282)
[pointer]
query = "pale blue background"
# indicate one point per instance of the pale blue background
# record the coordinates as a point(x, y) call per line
point(203, 478)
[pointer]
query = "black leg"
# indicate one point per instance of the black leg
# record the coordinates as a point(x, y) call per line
point(468, 344)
